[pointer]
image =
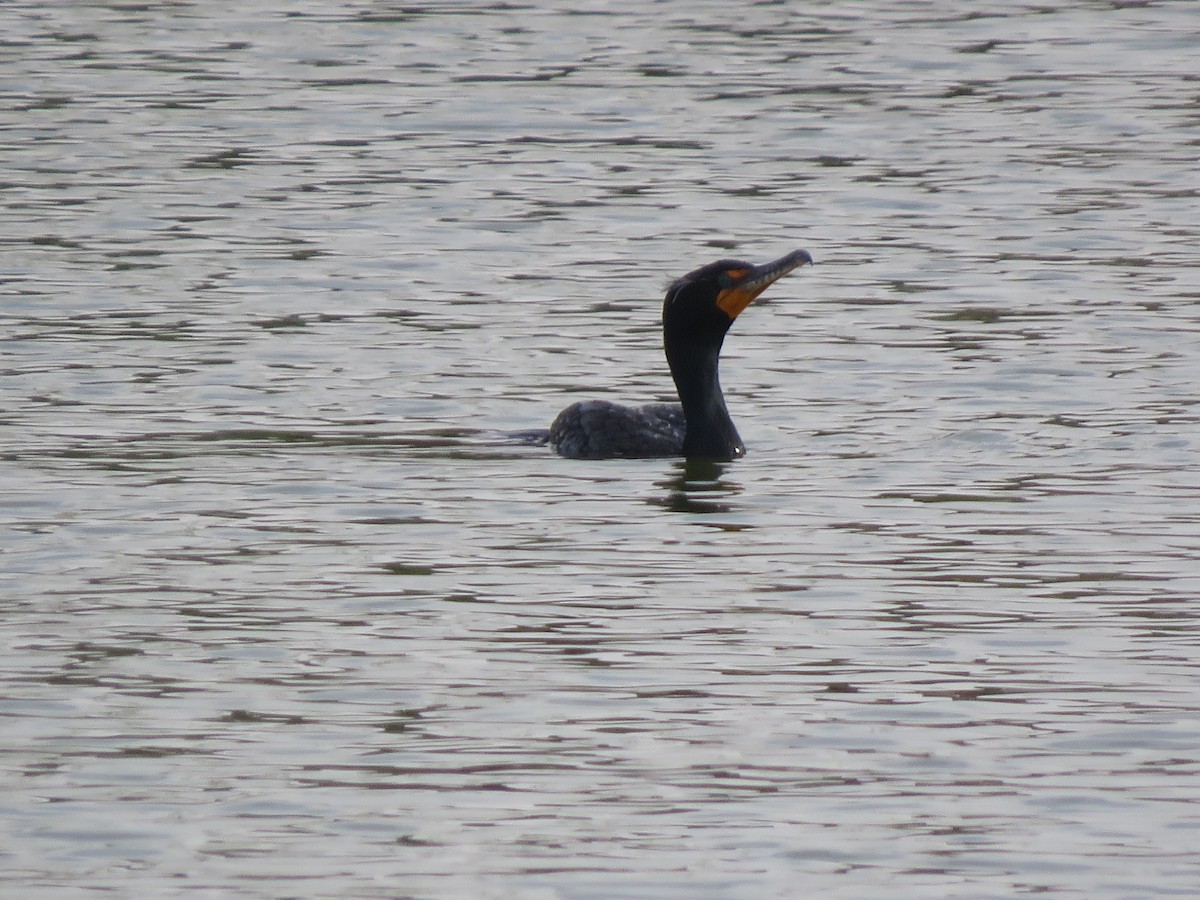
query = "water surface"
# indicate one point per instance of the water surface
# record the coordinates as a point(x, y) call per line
point(285, 615)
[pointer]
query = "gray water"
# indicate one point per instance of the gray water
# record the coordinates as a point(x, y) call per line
point(286, 615)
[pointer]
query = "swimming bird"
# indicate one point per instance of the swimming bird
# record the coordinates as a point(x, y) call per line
point(697, 312)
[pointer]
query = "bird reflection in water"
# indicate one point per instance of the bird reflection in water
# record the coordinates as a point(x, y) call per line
point(698, 486)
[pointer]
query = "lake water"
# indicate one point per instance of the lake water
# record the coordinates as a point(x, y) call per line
point(285, 614)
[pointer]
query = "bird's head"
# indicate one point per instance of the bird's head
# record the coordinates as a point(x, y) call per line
point(706, 301)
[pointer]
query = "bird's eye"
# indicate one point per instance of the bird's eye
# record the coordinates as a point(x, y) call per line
point(735, 274)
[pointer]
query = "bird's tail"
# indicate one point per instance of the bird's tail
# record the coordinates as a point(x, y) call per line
point(533, 437)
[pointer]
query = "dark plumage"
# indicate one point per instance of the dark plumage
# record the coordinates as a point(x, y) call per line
point(697, 312)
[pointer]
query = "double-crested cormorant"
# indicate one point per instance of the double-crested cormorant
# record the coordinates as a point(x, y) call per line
point(697, 311)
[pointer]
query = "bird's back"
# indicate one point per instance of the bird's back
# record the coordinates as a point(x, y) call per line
point(598, 429)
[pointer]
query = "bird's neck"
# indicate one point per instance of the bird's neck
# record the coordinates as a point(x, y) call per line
point(710, 431)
